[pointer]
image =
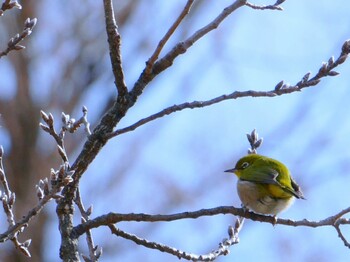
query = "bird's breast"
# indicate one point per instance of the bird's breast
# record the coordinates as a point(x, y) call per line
point(257, 198)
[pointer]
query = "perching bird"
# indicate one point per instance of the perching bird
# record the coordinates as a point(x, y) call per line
point(264, 184)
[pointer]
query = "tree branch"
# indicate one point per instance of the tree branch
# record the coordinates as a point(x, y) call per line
point(112, 218)
point(94, 143)
point(114, 41)
point(13, 43)
point(94, 254)
point(280, 89)
point(166, 37)
point(267, 7)
point(223, 248)
point(7, 5)
point(181, 48)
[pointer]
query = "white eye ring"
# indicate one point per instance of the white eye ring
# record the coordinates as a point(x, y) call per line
point(245, 165)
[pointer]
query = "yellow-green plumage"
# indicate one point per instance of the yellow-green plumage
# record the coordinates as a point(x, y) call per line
point(265, 185)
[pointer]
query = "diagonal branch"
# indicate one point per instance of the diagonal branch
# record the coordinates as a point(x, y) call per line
point(166, 37)
point(180, 48)
point(281, 88)
point(13, 44)
point(7, 5)
point(114, 41)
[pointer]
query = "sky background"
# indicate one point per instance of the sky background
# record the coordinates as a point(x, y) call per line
point(176, 163)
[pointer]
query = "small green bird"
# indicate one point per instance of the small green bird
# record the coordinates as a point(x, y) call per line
point(264, 184)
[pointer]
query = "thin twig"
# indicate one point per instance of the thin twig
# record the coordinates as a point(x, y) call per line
point(7, 5)
point(8, 199)
point(223, 248)
point(166, 37)
point(13, 43)
point(266, 7)
point(180, 48)
point(93, 254)
point(112, 218)
point(114, 41)
point(281, 88)
point(58, 179)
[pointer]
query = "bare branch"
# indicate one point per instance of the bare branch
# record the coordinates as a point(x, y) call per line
point(7, 5)
point(8, 199)
point(58, 179)
point(181, 48)
point(112, 218)
point(114, 41)
point(280, 89)
point(13, 44)
point(222, 250)
point(94, 253)
point(68, 124)
point(254, 142)
point(266, 7)
point(166, 37)
point(71, 125)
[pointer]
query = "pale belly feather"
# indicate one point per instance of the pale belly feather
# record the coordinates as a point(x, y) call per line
point(255, 200)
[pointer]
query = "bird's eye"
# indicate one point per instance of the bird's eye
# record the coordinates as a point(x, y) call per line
point(245, 165)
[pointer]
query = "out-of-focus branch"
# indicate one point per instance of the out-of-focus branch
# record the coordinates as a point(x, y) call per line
point(45, 193)
point(9, 4)
point(280, 89)
point(114, 41)
point(166, 37)
point(8, 199)
point(13, 44)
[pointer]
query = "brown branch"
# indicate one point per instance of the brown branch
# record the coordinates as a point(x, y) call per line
point(114, 41)
point(180, 48)
point(112, 218)
point(280, 89)
point(223, 248)
point(94, 143)
point(166, 37)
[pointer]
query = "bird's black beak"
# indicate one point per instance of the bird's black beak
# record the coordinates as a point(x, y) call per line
point(230, 170)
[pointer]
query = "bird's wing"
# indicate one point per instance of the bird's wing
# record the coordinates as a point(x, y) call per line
point(264, 175)
point(269, 175)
